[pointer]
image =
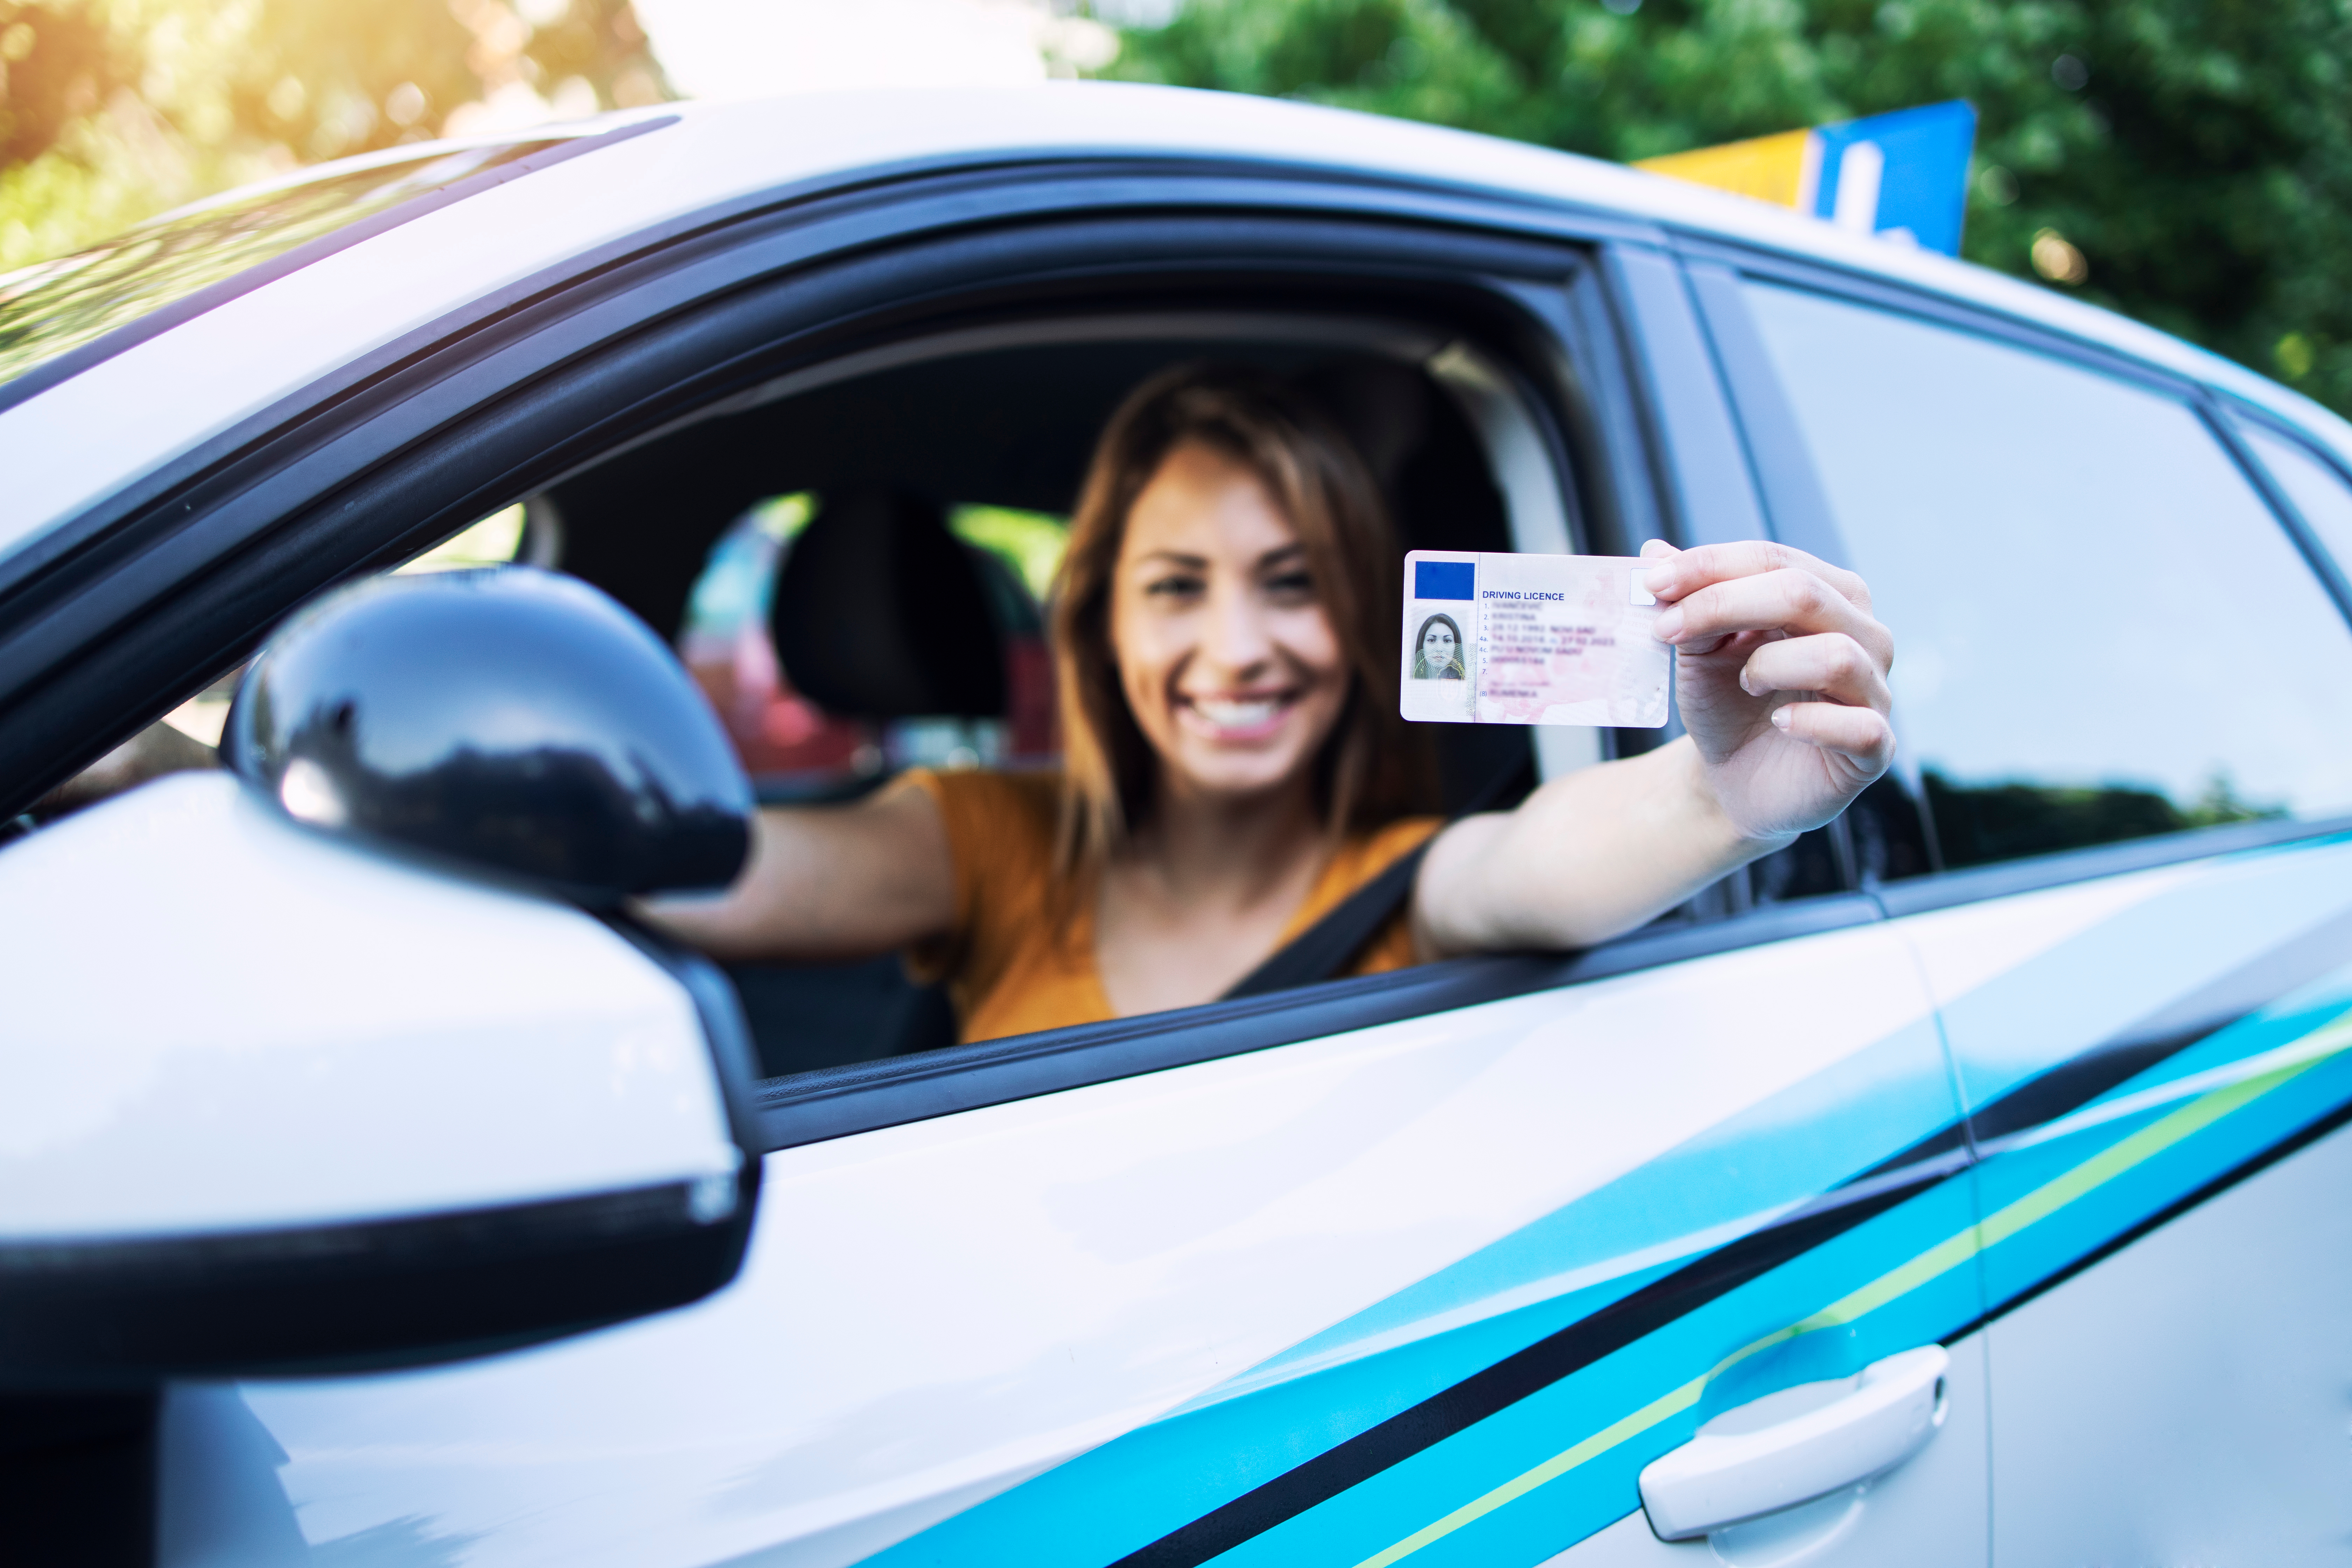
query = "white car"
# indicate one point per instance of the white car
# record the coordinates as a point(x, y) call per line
point(356, 1209)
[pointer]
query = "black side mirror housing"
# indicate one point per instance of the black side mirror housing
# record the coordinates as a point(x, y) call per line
point(513, 721)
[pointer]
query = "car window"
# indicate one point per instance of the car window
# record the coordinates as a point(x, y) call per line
point(2317, 490)
point(2102, 631)
point(828, 558)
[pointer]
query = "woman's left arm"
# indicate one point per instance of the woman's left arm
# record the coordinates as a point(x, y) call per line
point(1781, 672)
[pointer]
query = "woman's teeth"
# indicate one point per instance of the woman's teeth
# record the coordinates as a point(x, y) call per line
point(1228, 714)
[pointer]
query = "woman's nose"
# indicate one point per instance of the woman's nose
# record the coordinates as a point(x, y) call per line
point(1237, 637)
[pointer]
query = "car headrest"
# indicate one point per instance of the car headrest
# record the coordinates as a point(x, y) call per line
point(880, 613)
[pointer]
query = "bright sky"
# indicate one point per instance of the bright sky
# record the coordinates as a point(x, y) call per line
point(756, 49)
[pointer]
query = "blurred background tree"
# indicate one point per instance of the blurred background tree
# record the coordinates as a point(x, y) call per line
point(2186, 162)
point(112, 111)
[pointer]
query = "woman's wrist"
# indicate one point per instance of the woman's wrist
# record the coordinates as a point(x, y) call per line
point(1713, 822)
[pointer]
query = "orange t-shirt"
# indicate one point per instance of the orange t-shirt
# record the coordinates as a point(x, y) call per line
point(1010, 968)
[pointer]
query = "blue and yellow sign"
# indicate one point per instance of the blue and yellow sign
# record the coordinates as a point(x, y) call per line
point(1904, 177)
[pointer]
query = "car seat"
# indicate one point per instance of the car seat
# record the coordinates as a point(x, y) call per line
point(881, 612)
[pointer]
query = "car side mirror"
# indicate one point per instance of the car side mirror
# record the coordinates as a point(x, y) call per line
point(278, 1091)
point(511, 720)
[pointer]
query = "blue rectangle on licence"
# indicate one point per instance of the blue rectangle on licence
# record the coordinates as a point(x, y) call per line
point(1444, 580)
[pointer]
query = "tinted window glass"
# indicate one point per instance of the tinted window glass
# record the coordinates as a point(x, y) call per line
point(2102, 632)
point(2316, 488)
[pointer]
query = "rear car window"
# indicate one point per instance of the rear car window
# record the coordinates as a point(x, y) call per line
point(793, 747)
point(2102, 631)
point(53, 308)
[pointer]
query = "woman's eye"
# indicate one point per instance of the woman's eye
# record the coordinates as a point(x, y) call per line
point(1176, 585)
point(1291, 584)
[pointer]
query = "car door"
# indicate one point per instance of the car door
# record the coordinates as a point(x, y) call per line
point(2123, 694)
point(1437, 1286)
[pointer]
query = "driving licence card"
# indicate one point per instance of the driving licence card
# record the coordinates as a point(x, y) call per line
point(1494, 638)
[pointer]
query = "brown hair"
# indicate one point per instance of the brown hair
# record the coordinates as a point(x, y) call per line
point(1370, 768)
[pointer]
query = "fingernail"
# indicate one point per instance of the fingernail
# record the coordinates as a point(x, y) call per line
point(1669, 624)
point(1780, 719)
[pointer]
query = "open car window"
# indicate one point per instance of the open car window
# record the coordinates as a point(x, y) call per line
point(962, 460)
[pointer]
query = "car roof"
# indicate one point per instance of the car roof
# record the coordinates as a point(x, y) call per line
point(84, 438)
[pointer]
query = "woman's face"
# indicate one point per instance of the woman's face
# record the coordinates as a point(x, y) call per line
point(1224, 653)
point(1437, 644)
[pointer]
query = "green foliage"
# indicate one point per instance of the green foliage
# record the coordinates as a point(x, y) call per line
point(112, 111)
point(2197, 153)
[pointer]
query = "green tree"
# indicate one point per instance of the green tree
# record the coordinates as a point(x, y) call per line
point(2186, 162)
point(111, 110)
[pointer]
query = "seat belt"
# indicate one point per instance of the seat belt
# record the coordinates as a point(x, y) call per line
point(1323, 949)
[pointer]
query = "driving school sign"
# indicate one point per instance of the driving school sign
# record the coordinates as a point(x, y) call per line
point(1902, 176)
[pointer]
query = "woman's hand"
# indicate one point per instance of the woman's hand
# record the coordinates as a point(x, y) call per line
point(1782, 678)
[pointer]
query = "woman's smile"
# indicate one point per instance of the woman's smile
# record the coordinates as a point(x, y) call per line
point(1235, 718)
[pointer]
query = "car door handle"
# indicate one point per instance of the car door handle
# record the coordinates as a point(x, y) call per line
point(1798, 1445)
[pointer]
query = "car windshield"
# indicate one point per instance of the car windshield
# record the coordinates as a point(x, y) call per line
point(52, 307)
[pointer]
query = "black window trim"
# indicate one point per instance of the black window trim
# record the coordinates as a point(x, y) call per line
point(2031, 874)
point(2242, 411)
point(1704, 477)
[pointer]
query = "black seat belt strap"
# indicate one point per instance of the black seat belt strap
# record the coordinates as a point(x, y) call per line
point(1323, 949)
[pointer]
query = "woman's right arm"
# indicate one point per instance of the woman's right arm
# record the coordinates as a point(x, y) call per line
point(827, 882)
